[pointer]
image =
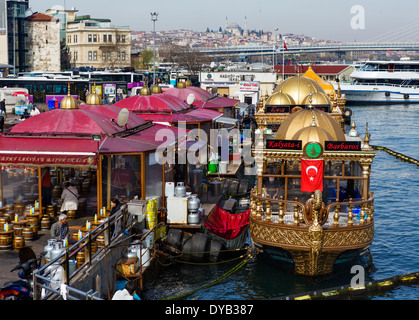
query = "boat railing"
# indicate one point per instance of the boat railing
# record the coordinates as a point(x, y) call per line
point(384, 84)
point(296, 213)
point(83, 252)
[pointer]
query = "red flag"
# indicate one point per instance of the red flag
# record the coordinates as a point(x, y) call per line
point(311, 175)
point(285, 47)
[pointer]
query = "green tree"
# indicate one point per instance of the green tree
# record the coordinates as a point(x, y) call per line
point(146, 59)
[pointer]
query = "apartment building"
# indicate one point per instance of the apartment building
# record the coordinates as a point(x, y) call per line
point(98, 44)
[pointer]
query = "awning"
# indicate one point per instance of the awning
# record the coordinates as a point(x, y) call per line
point(227, 120)
point(143, 141)
point(41, 152)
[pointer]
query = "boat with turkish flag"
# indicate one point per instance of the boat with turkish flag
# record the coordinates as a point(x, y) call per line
point(312, 210)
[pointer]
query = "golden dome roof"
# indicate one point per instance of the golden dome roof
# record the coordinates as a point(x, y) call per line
point(181, 85)
point(312, 134)
point(156, 89)
point(318, 98)
point(69, 102)
point(304, 118)
point(280, 99)
point(188, 83)
point(145, 91)
point(299, 87)
point(327, 86)
point(94, 99)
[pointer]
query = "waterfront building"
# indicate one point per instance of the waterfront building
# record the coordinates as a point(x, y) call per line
point(242, 85)
point(98, 44)
point(328, 72)
point(44, 43)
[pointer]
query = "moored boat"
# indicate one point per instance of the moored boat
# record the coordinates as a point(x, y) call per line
point(384, 82)
point(312, 211)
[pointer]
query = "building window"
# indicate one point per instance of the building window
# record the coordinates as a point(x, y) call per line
point(69, 39)
point(103, 55)
point(118, 56)
point(123, 38)
point(118, 38)
point(90, 55)
point(105, 38)
point(94, 55)
point(123, 55)
point(89, 38)
point(109, 56)
point(94, 38)
point(110, 38)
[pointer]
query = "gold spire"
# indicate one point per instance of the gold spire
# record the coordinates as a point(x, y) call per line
point(69, 102)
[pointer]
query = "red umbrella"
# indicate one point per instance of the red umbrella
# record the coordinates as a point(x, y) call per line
point(20, 93)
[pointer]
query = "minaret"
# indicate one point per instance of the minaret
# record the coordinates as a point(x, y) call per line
point(245, 33)
point(226, 24)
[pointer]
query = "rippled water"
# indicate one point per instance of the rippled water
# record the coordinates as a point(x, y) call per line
point(395, 249)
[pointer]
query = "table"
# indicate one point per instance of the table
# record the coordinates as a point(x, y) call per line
point(18, 226)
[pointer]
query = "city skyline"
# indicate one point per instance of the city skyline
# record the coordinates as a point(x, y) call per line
point(359, 21)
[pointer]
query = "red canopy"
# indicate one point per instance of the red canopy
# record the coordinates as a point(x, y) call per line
point(156, 103)
point(183, 93)
point(217, 103)
point(34, 151)
point(73, 122)
point(225, 224)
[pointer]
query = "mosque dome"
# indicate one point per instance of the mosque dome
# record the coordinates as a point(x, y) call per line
point(145, 91)
point(280, 99)
point(156, 89)
point(94, 99)
point(299, 87)
point(181, 85)
point(293, 126)
point(318, 98)
point(69, 102)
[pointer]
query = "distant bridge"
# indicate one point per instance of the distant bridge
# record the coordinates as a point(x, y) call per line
point(340, 48)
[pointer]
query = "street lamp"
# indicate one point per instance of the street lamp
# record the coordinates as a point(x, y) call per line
point(154, 19)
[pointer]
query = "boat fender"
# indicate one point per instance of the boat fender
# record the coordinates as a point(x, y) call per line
point(347, 113)
point(200, 244)
point(387, 94)
point(406, 96)
point(214, 250)
point(174, 237)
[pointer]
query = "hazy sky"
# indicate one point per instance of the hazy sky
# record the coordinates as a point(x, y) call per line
point(384, 20)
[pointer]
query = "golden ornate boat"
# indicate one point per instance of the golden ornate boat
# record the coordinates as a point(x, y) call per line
point(311, 211)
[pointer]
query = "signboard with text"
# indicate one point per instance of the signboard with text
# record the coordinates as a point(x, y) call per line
point(283, 144)
point(342, 145)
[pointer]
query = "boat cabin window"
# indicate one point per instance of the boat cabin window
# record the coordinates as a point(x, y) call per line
point(341, 180)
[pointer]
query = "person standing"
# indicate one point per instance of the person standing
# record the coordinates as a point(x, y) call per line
point(3, 108)
point(70, 197)
point(46, 186)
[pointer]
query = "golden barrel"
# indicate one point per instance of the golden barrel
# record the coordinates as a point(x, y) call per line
point(56, 192)
point(2, 210)
point(6, 241)
point(18, 229)
point(79, 259)
point(27, 233)
point(18, 242)
point(34, 229)
point(19, 208)
point(71, 214)
point(3, 221)
point(45, 223)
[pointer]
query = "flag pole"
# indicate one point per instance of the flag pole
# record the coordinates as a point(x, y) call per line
point(283, 60)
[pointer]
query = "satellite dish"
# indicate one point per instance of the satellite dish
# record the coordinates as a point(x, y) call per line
point(123, 116)
point(190, 99)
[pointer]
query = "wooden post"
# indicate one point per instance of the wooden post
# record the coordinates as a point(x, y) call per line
point(99, 184)
point(40, 190)
point(143, 193)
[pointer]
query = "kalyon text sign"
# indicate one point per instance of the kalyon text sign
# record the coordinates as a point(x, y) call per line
point(284, 144)
point(199, 147)
point(342, 146)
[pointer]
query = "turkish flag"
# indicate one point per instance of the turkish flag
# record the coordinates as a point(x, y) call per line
point(311, 175)
point(285, 46)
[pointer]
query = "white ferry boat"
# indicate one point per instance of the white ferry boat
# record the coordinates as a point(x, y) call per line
point(379, 82)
